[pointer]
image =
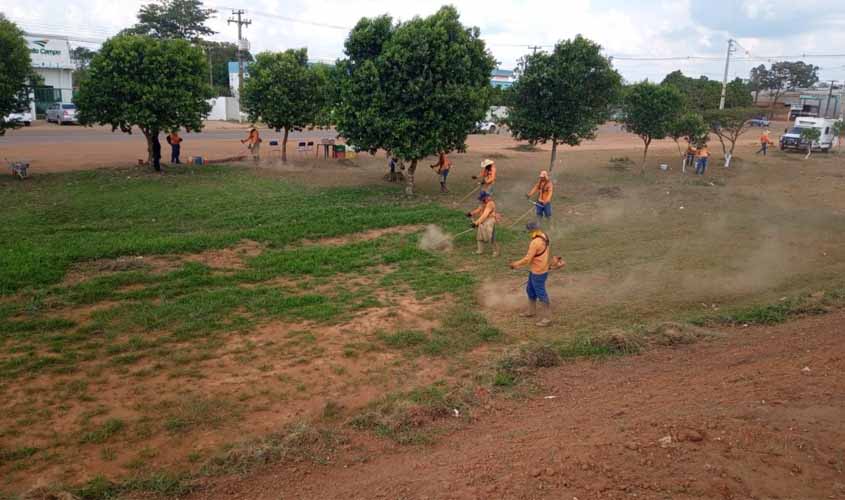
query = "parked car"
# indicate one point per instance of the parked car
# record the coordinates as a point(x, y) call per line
point(760, 121)
point(791, 138)
point(485, 128)
point(24, 117)
point(61, 113)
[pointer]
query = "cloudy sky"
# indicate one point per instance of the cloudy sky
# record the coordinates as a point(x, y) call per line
point(635, 29)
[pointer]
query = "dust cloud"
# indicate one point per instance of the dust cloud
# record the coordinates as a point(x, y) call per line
point(435, 239)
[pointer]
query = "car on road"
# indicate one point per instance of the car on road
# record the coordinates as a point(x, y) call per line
point(24, 117)
point(485, 128)
point(760, 121)
point(61, 113)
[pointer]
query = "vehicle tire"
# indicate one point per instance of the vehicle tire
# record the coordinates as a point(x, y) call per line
point(492, 130)
point(27, 124)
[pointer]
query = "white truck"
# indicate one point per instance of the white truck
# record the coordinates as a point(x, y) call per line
point(791, 139)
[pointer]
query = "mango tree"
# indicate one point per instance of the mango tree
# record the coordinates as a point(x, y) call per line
point(562, 97)
point(689, 126)
point(649, 111)
point(153, 84)
point(413, 88)
point(728, 125)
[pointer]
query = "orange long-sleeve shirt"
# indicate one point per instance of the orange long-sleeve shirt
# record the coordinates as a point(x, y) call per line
point(484, 211)
point(489, 178)
point(545, 188)
point(537, 256)
point(764, 139)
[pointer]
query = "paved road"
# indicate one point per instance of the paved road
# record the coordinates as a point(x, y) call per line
point(42, 133)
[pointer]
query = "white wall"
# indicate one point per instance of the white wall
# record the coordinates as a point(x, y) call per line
point(224, 108)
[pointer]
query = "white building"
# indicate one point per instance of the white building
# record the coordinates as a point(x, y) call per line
point(50, 56)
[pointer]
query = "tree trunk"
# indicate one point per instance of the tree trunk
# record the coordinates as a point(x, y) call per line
point(409, 178)
point(554, 155)
point(756, 96)
point(285, 147)
point(148, 136)
point(645, 154)
point(722, 142)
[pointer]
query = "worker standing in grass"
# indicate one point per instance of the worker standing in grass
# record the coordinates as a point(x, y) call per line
point(702, 154)
point(253, 143)
point(544, 190)
point(538, 259)
point(487, 177)
point(690, 161)
point(443, 166)
point(175, 142)
point(765, 142)
point(486, 218)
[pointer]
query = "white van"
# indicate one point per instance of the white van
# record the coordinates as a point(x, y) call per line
point(792, 138)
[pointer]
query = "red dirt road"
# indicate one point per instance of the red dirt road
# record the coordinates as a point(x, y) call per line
point(745, 418)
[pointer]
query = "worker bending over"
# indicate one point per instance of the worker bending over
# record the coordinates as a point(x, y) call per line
point(487, 177)
point(253, 143)
point(538, 259)
point(486, 218)
point(544, 190)
point(443, 166)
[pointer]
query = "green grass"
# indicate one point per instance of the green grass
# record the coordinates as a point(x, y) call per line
point(775, 313)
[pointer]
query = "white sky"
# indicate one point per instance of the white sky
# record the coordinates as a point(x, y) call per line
point(653, 28)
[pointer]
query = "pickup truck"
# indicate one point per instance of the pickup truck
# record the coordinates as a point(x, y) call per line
point(24, 117)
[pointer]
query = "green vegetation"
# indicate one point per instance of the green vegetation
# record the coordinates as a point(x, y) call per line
point(785, 309)
point(650, 111)
point(15, 72)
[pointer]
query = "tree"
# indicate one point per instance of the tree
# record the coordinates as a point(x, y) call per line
point(81, 57)
point(758, 80)
point(283, 92)
point(138, 81)
point(564, 96)
point(738, 94)
point(790, 75)
point(810, 136)
point(728, 125)
point(701, 94)
point(182, 19)
point(15, 73)
point(414, 88)
point(649, 111)
point(219, 54)
point(839, 130)
point(689, 126)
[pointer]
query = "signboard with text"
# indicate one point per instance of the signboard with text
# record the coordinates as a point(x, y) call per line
point(49, 52)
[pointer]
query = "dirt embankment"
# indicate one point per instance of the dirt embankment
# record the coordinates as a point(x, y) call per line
point(760, 414)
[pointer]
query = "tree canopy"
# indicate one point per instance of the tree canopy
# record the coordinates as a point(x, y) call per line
point(138, 81)
point(701, 94)
point(689, 126)
point(650, 110)
point(728, 125)
point(788, 75)
point(182, 19)
point(413, 88)
point(562, 96)
point(284, 92)
point(15, 72)
point(219, 54)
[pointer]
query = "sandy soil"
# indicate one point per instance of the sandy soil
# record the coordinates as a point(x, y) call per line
point(760, 414)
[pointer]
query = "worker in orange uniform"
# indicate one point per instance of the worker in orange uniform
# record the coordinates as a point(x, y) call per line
point(538, 259)
point(765, 142)
point(544, 190)
point(690, 159)
point(253, 143)
point(443, 166)
point(175, 142)
point(702, 154)
point(486, 219)
point(487, 177)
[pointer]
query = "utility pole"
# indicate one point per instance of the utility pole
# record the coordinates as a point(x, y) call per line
point(731, 50)
point(534, 49)
point(829, 97)
point(241, 23)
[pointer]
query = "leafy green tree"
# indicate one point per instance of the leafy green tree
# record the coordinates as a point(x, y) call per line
point(219, 54)
point(414, 88)
point(701, 94)
point(839, 130)
point(790, 75)
point(728, 125)
point(562, 97)
point(650, 111)
point(15, 72)
point(81, 57)
point(138, 81)
point(182, 19)
point(689, 126)
point(810, 136)
point(758, 80)
point(283, 92)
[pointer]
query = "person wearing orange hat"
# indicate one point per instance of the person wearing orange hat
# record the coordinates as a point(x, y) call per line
point(544, 190)
point(486, 218)
point(487, 177)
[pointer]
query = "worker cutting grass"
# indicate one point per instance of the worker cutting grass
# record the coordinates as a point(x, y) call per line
point(539, 260)
point(443, 166)
point(485, 222)
point(544, 189)
point(487, 177)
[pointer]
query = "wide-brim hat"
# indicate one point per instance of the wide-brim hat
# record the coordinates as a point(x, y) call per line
point(544, 174)
point(487, 163)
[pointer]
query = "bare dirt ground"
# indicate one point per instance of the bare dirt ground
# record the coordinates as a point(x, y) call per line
point(759, 414)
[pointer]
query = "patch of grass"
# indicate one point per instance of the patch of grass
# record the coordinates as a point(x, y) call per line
point(16, 454)
point(104, 432)
point(462, 329)
point(193, 412)
point(160, 484)
point(778, 312)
